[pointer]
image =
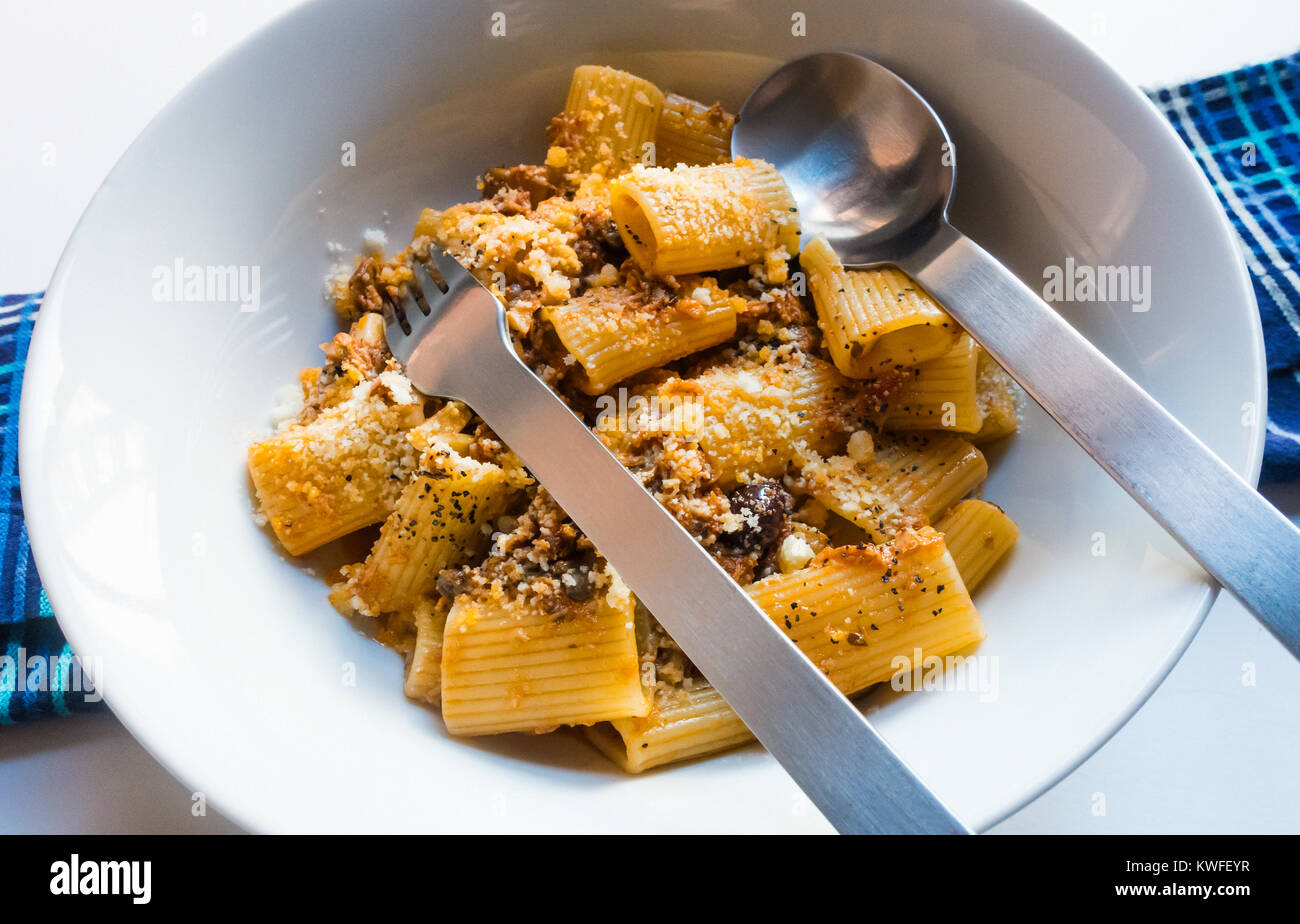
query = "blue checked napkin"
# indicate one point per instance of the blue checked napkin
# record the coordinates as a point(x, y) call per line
point(36, 665)
point(1243, 127)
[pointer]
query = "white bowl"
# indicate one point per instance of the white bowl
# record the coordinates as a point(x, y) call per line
point(225, 659)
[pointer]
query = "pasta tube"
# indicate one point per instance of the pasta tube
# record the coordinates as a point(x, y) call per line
point(612, 115)
point(940, 394)
point(341, 471)
point(691, 133)
point(909, 482)
point(508, 664)
point(693, 219)
point(424, 665)
point(443, 517)
point(683, 724)
point(977, 534)
point(874, 320)
point(997, 397)
point(755, 418)
point(613, 336)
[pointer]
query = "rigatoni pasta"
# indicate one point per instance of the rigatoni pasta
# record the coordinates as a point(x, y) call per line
point(342, 470)
point(613, 116)
point(978, 535)
point(940, 394)
point(908, 481)
point(424, 663)
point(818, 441)
point(683, 723)
point(695, 219)
point(510, 664)
point(614, 335)
point(752, 419)
point(692, 133)
point(876, 320)
point(444, 515)
point(996, 396)
point(855, 609)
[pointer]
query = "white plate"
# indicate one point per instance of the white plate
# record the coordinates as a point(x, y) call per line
point(225, 659)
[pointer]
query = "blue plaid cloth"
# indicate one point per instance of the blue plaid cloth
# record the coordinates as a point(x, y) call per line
point(37, 668)
point(1243, 127)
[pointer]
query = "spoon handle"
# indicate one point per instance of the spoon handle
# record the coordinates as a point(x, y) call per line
point(1237, 536)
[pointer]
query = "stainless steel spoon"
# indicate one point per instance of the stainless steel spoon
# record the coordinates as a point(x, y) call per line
point(864, 155)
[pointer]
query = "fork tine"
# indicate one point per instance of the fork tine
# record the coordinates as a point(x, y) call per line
point(448, 266)
point(423, 286)
point(395, 319)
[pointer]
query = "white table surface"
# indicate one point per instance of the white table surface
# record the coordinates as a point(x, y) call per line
point(1207, 753)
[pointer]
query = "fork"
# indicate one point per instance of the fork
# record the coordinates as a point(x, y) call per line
point(450, 333)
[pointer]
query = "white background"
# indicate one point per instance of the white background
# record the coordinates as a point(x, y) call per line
point(1207, 753)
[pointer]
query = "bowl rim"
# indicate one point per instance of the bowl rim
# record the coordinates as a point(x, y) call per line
point(39, 377)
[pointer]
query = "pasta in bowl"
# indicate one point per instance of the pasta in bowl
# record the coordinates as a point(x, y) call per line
point(815, 429)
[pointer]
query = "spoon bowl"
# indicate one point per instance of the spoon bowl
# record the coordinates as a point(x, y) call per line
point(869, 162)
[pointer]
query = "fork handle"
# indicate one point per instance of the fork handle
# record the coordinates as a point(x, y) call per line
point(821, 739)
point(1237, 536)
